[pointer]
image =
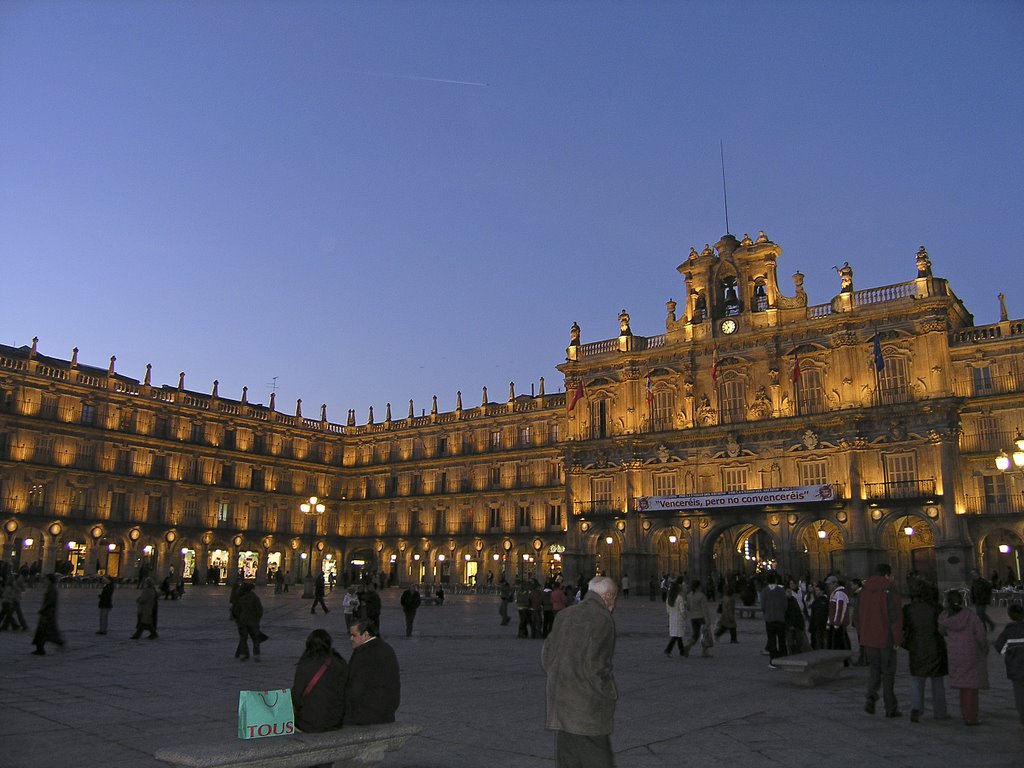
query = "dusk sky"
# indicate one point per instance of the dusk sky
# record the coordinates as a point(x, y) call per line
point(371, 202)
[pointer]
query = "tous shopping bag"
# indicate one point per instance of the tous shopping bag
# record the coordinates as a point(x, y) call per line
point(265, 713)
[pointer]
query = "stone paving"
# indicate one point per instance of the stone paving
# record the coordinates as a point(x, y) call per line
point(478, 691)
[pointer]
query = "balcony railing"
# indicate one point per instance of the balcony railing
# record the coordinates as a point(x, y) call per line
point(891, 395)
point(993, 385)
point(985, 442)
point(589, 508)
point(900, 489)
point(1011, 504)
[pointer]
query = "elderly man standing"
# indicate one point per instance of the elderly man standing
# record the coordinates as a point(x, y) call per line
point(581, 692)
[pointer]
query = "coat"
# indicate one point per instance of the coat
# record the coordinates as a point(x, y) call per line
point(677, 617)
point(967, 647)
point(247, 610)
point(922, 638)
point(1010, 643)
point(577, 657)
point(323, 708)
point(697, 605)
point(879, 614)
point(145, 607)
point(373, 690)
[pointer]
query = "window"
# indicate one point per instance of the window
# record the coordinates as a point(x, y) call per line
point(665, 484)
point(86, 457)
point(259, 443)
point(495, 477)
point(158, 469)
point(44, 450)
point(223, 513)
point(258, 481)
point(442, 446)
point(191, 512)
point(119, 506)
point(495, 441)
point(123, 462)
point(892, 380)
point(599, 418)
point(229, 439)
point(524, 437)
point(994, 490)
point(155, 509)
point(522, 476)
point(495, 518)
point(601, 491)
point(36, 496)
point(553, 433)
point(48, 409)
point(555, 515)
point(88, 414)
point(734, 479)
point(197, 433)
point(524, 516)
point(901, 474)
point(163, 427)
point(555, 472)
point(813, 473)
point(732, 400)
point(662, 413)
point(79, 501)
point(810, 394)
point(982, 380)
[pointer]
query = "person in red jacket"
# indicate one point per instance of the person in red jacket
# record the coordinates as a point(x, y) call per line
point(880, 628)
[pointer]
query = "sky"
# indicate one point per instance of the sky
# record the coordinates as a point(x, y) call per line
point(356, 203)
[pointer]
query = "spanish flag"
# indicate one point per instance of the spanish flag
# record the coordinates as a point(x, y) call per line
point(714, 365)
point(576, 395)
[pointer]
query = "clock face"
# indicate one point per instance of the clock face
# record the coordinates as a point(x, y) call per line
point(728, 325)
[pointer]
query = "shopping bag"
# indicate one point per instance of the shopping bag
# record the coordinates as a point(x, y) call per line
point(265, 713)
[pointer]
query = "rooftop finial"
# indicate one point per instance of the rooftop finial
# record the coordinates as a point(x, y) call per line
point(411, 412)
point(245, 395)
point(298, 408)
point(484, 401)
point(1003, 316)
point(458, 400)
point(369, 419)
point(216, 386)
point(323, 412)
point(387, 413)
point(541, 386)
point(433, 407)
point(74, 357)
point(110, 369)
point(273, 401)
point(149, 374)
point(511, 391)
point(181, 380)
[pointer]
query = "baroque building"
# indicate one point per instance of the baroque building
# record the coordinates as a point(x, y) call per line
point(758, 431)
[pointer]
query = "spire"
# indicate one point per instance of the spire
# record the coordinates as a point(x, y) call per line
point(245, 395)
point(298, 408)
point(181, 381)
point(273, 400)
point(433, 408)
point(216, 386)
point(484, 402)
point(387, 413)
point(351, 421)
point(149, 374)
point(110, 369)
point(411, 413)
point(511, 391)
point(323, 412)
point(458, 400)
point(369, 419)
point(74, 357)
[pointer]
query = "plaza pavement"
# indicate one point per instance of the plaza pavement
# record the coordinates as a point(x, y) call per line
point(110, 702)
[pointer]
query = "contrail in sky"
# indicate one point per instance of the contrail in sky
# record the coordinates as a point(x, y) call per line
point(432, 79)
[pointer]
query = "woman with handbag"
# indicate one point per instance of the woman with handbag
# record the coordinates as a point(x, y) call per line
point(318, 691)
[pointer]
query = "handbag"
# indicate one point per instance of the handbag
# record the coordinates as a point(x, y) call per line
point(265, 713)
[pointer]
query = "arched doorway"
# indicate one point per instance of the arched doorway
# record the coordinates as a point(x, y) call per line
point(743, 549)
point(909, 542)
point(608, 554)
point(821, 544)
point(673, 552)
point(1002, 554)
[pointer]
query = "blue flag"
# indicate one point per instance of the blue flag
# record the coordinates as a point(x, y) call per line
point(879, 360)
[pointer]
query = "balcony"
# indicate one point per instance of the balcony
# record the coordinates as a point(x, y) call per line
point(1011, 504)
point(985, 442)
point(590, 509)
point(982, 386)
point(900, 489)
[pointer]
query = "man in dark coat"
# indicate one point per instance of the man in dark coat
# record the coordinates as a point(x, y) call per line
point(373, 691)
point(581, 692)
point(371, 600)
point(410, 602)
point(146, 610)
point(927, 648)
point(47, 630)
point(247, 612)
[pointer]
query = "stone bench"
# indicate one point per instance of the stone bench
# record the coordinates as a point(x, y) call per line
point(355, 746)
point(748, 611)
point(813, 667)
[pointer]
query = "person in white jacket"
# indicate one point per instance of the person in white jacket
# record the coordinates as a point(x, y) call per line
point(675, 607)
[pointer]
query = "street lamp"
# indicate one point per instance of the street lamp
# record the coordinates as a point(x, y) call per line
point(1003, 460)
point(311, 508)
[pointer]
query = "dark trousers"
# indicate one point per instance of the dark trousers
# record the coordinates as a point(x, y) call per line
point(882, 664)
point(575, 751)
point(410, 616)
point(731, 630)
point(503, 612)
point(776, 631)
point(838, 639)
point(673, 641)
point(525, 617)
point(245, 631)
point(318, 600)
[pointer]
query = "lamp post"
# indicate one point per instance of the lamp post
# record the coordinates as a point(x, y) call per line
point(1003, 460)
point(312, 508)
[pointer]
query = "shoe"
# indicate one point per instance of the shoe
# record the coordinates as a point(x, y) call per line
point(668, 654)
point(869, 707)
point(915, 715)
point(153, 636)
point(38, 652)
point(256, 659)
point(771, 666)
point(972, 722)
point(136, 636)
point(243, 658)
point(101, 632)
point(894, 713)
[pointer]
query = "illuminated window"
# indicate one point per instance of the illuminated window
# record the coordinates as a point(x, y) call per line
point(734, 479)
point(813, 473)
point(665, 484)
point(663, 406)
point(732, 400)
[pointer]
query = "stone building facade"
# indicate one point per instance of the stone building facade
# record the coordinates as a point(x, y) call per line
point(758, 431)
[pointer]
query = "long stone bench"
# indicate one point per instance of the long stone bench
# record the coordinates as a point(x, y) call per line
point(354, 746)
point(748, 611)
point(813, 667)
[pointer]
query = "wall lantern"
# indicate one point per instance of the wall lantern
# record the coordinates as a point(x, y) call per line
point(672, 539)
point(1004, 549)
point(822, 533)
point(72, 545)
point(608, 540)
point(111, 547)
point(908, 529)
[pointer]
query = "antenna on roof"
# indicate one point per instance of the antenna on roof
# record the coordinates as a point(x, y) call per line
point(725, 194)
point(273, 385)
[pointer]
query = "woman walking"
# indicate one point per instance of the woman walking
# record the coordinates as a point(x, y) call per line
point(727, 616)
point(967, 649)
point(675, 607)
point(47, 630)
point(921, 637)
point(697, 610)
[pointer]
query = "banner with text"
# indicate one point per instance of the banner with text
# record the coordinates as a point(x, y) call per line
point(800, 495)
